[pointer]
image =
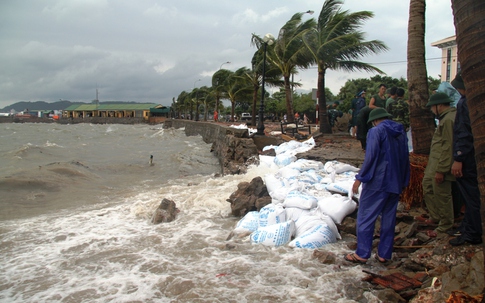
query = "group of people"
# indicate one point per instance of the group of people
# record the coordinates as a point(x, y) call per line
point(385, 172)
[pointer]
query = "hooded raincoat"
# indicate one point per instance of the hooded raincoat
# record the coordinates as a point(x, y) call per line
point(384, 174)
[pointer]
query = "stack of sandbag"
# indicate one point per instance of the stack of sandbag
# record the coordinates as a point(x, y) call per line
point(308, 200)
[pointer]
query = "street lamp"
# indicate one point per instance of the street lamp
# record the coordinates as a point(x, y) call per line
point(268, 39)
point(224, 63)
point(196, 102)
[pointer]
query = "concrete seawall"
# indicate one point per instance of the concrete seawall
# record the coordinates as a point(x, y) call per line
point(233, 146)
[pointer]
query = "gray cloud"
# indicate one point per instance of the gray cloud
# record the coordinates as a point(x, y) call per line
point(151, 50)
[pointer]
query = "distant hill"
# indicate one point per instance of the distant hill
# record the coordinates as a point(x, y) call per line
point(42, 105)
point(38, 105)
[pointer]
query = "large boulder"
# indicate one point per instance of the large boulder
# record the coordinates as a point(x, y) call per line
point(249, 196)
point(166, 212)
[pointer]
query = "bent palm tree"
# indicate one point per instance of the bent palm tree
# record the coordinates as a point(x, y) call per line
point(255, 75)
point(218, 86)
point(336, 43)
point(289, 53)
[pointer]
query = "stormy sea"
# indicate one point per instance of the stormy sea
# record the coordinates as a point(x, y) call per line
point(76, 203)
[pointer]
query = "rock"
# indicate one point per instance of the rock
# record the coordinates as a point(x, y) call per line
point(324, 257)
point(248, 197)
point(166, 212)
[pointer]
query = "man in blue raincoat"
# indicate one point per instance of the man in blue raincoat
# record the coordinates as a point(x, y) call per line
point(384, 174)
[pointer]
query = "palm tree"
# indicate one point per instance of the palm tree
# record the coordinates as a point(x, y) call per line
point(236, 87)
point(254, 76)
point(469, 16)
point(182, 103)
point(218, 84)
point(289, 53)
point(336, 43)
point(421, 118)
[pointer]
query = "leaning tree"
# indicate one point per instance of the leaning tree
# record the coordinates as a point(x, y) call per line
point(336, 43)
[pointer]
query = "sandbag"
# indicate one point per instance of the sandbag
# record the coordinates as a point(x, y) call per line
point(295, 213)
point(329, 221)
point(338, 167)
point(274, 235)
point(317, 237)
point(248, 223)
point(342, 187)
point(337, 207)
point(284, 159)
point(298, 199)
point(287, 172)
point(307, 222)
point(304, 165)
point(271, 214)
point(273, 183)
point(266, 160)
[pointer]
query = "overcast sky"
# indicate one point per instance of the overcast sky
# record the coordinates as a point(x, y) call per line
point(151, 50)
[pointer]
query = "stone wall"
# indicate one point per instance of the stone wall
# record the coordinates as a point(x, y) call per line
point(233, 146)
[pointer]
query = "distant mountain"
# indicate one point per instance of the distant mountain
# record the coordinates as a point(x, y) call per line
point(42, 105)
point(38, 105)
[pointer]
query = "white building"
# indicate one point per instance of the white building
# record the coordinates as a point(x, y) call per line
point(449, 58)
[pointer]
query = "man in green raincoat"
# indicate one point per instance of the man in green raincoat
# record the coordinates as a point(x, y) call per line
point(437, 175)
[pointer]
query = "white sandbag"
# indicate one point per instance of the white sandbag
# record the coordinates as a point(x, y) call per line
point(304, 164)
point(273, 183)
point(317, 237)
point(329, 221)
point(287, 172)
point(342, 187)
point(266, 160)
point(287, 147)
point(295, 213)
point(314, 175)
point(307, 222)
point(284, 159)
point(337, 207)
point(338, 167)
point(271, 214)
point(268, 147)
point(248, 223)
point(274, 235)
point(298, 199)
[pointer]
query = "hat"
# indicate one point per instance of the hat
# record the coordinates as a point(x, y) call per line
point(439, 98)
point(458, 82)
point(360, 93)
point(378, 113)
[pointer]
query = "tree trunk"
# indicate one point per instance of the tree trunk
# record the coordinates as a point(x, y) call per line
point(469, 18)
point(289, 103)
point(325, 127)
point(421, 118)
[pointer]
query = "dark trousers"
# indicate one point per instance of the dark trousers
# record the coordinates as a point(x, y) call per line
point(472, 222)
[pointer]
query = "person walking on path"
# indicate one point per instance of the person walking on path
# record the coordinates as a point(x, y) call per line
point(384, 174)
point(464, 168)
point(437, 175)
point(379, 99)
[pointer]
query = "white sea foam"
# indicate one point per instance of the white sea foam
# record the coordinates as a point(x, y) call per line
point(109, 251)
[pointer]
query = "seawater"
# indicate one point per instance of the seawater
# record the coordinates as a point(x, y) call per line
point(75, 209)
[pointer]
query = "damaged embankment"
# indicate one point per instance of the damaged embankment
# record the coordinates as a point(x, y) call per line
point(232, 146)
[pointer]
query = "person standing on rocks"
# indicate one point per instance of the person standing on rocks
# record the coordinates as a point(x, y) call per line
point(437, 175)
point(464, 168)
point(384, 175)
